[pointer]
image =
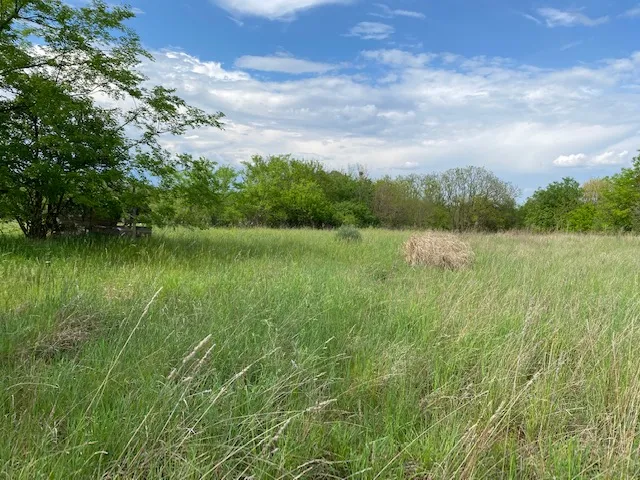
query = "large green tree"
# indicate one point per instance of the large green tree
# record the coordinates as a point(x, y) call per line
point(280, 191)
point(477, 199)
point(551, 208)
point(620, 203)
point(59, 148)
point(51, 158)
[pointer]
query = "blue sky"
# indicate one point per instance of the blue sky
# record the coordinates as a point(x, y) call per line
point(533, 90)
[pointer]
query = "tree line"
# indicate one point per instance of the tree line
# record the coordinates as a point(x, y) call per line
point(80, 138)
point(281, 191)
point(609, 204)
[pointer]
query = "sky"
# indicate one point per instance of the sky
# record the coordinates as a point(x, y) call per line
point(532, 90)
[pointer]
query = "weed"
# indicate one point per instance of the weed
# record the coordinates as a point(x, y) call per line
point(349, 233)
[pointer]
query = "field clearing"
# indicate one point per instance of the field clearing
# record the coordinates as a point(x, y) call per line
point(270, 354)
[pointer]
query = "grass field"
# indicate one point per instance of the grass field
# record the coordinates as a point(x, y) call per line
point(258, 354)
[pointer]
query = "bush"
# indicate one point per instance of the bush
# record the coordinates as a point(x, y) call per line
point(582, 219)
point(349, 233)
point(441, 250)
point(354, 213)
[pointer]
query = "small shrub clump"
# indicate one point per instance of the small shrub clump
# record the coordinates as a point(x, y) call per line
point(437, 249)
point(349, 233)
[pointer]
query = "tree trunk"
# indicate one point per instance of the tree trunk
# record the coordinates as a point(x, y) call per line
point(37, 230)
point(36, 225)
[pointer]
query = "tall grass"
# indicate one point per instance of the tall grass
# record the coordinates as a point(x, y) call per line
point(285, 354)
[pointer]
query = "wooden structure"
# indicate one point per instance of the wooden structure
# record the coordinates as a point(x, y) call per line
point(101, 225)
point(121, 230)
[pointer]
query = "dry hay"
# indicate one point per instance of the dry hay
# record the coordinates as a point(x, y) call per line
point(66, 338)
point(438, 249)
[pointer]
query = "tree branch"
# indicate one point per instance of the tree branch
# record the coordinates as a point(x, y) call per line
point(14, 15)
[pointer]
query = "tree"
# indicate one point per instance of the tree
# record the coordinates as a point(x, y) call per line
point(477, 199)
point(583, 218)
point(280, 191)
point(491, 216)
point(350, 194)
point(59, 148)
point(356, 213)
point(591, 214)
point(392, 203)
point(55, 157)
point(550, 208)
point(593, 190)
point(621, 200)
point(196, 194)
point(457, 199)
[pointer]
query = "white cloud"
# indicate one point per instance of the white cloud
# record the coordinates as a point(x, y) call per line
point(604, 159)
point(398, 58)
point(632, 12)
point(386, 12)
point(371, 31)
point(239, 23)
point(273, 9)
point(532, 18)
point(569, 18)
point(284, 64)
point(569, 46)
point(429, 110)
point(611, 158)
point(573, 160)
point(409, 166)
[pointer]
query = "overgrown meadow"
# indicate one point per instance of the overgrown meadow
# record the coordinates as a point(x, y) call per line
point(238, 354)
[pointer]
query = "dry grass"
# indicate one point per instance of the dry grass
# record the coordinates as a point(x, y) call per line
point(67, 337)
point(438, 249)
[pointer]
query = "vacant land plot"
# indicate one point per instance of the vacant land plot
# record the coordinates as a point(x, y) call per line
point(288, 354)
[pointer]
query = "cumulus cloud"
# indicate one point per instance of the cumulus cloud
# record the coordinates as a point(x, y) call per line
point(430, 111)
point(272, 9)
point(554, 17)
point(283, 64)
point(611, 158)
point(573, 160)
point(604, 159)
point(371, 31)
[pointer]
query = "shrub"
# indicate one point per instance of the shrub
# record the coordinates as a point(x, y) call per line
point(441, 250)
point(349, 233)
point(354, 213)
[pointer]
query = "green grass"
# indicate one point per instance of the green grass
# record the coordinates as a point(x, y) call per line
point(325, 359)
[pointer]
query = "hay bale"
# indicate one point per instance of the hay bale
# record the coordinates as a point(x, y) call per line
point(438, 249)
